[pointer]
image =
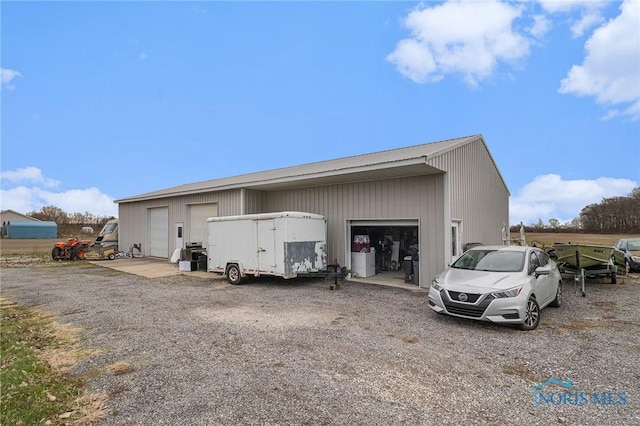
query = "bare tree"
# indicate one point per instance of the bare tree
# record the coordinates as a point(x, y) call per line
point(50, 213)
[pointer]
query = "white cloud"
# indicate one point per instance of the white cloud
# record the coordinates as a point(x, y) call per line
point(7, 75)
point(28, 174)
point(540, 27)
point(551, 197)
point(610, 71)
point(460, 37)
point(555, 6)
point(25, 198)
point(589, 10)
point(588, 20)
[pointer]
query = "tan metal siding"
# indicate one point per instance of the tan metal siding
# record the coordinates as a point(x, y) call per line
point(407, 198)
point(254, 201)
point(133, 216)
point(478, 194)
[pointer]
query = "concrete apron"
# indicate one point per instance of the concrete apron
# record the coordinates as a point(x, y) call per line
point(151, 267)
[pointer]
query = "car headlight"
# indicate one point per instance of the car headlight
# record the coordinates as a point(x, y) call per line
point(512, 292)
point(635, 258)
point(435, 285)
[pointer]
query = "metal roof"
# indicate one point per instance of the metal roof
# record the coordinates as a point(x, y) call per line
point(389, 164)
point(9, 211)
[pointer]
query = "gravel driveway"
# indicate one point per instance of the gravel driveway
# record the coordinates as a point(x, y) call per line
point(270, 352)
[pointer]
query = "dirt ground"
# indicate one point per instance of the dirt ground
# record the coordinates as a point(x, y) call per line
point(14, 247)
point(560, 237)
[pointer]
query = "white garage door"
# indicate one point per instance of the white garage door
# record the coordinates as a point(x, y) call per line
point(198, 214)
point(159, 232)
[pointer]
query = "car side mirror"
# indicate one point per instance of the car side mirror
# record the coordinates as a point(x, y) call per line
point(542, 270)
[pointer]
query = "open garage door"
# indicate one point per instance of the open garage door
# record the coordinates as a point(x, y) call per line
point(198, 214)
point(378, 247)
point(159, 232)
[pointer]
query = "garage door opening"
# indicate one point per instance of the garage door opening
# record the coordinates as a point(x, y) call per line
point(379, 249)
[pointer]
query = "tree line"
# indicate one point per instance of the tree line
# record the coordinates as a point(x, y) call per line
point(70, 223)
point(614, 215)
point(57, 215)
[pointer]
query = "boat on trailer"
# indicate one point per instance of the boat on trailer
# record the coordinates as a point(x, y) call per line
point(586, 260)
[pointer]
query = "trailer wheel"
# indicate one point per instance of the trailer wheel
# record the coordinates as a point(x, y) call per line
point(233, 274)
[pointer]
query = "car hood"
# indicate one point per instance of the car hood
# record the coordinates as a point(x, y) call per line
point(466, 280)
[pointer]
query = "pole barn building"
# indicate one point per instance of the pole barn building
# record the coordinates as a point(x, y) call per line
point(440, 195)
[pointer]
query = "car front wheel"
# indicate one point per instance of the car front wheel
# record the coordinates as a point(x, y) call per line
point(557, 302)
point(532, 315)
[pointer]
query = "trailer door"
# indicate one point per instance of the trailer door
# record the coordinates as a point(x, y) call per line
point(266, 245)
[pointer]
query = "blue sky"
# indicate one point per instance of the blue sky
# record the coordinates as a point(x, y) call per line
point(105, 100)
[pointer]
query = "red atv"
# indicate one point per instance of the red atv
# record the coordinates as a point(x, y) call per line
point(72, 249)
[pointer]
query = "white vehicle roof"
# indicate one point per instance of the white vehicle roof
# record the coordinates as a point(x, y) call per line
point(499, 247)
point(262, 216)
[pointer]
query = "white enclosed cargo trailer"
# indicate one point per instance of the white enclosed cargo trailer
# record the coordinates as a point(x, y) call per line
point(284, 244)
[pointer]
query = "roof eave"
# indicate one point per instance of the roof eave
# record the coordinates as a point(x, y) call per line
point(406, 167)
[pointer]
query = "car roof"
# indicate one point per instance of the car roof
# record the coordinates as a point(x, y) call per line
point(500, 247)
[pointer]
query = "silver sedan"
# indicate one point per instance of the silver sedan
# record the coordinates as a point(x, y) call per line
point(501, 284)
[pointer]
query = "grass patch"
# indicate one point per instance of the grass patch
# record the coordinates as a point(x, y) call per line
point(35, 387)
point(120, 368)
point(584, 324)
point(522, 371)
point(606, 305)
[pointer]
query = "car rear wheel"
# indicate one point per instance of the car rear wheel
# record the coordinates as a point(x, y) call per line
point(557, 302)
point(627, 268)
point(532, 315)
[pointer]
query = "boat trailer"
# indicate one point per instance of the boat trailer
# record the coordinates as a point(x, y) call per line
point(580, 273)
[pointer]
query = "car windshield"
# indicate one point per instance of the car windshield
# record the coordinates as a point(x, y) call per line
point(634, 245)
point(491, 260)
point(108, 228)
